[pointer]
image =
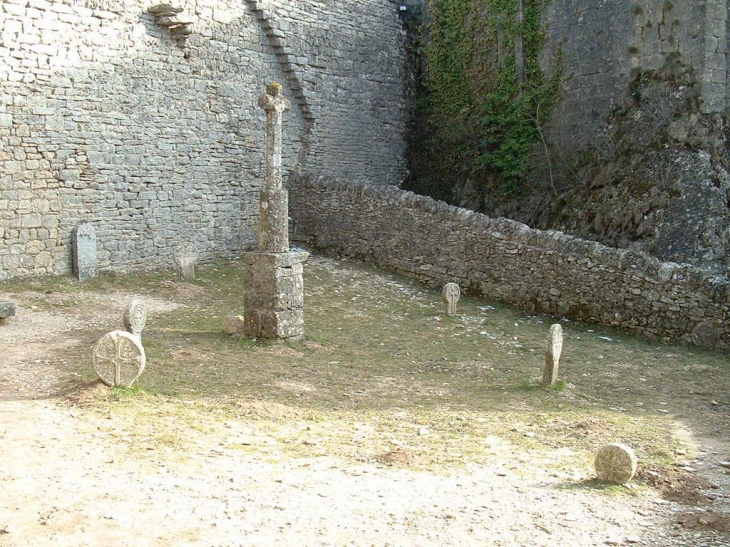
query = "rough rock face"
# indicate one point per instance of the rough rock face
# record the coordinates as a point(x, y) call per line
point(656, 180)
point(674, 207)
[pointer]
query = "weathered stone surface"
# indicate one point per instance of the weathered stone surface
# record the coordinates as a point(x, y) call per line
point(7, 309)
point(451, 294)
point(539, 271)
point(274, 221)
point(164, 9)
point(601, 77)
point(274, 295)
point(199, 166)
point(135, 317)
point(186, 255)
point(552, 355)
point(615, 463)
point(233, 325)
point(85, 264)
point(274, 103)
point(274, 203)
point(118, 358)
point(273, 325)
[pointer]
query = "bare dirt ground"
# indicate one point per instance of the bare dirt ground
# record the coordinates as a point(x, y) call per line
point(84, 465)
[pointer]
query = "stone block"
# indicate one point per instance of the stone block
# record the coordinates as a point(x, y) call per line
point(274, 295)
point(274, 325)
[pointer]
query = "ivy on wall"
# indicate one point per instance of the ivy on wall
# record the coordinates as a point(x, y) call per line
point(483, 99)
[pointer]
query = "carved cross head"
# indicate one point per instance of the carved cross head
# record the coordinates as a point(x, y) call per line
point(273, 100)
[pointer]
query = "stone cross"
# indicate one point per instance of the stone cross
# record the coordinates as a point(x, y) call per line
point(118, 358)
point(451, 294)
point(552, 355)
point(274, 204)
point(85, 264)
point(273, 296)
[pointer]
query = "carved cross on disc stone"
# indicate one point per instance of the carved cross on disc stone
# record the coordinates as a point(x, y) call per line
point(118, 358)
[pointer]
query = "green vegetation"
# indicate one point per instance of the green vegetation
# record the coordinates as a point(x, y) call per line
point(484, 100)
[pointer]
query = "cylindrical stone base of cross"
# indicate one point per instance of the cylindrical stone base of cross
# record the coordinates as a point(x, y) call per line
point(274, 221)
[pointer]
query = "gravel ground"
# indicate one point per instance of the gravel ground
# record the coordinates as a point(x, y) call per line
point(70, 476)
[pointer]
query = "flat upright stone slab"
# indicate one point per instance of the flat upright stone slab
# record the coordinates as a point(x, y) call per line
point(7, 309)
point(615, 463)
point(118, 358)
point(186, 255)
point(451, 294)
point(552, 355)
point(85, 264)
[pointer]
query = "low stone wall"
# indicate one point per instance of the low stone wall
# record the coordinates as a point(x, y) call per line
point(538, 271)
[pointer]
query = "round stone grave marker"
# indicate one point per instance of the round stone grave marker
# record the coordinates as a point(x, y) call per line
point(615, 463)
point(135, 317)
point(705, 334)
point(118, 358)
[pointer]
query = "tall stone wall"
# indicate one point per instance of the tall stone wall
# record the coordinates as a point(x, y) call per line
point(538, 271)
point(351, 64)
point(602, 44)
point(105, 118)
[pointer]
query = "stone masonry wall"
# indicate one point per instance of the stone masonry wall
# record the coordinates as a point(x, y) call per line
point(350, 61)
point(104, 118)
point(538, 271)
point(601, 44)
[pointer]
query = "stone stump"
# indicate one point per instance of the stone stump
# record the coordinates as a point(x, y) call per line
point(552, 355)
point(451, 294)
point(615, 463)
point(85, 265)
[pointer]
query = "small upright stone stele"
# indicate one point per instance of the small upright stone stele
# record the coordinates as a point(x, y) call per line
point(273, 300)
point(615, 463)
point(552, 355)
point(85, 264)
point(135, 317)
point(186, 255)
point(451, 294)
